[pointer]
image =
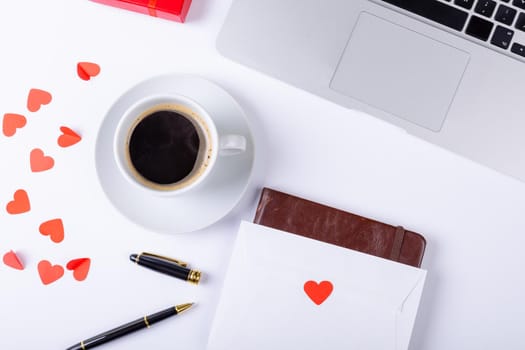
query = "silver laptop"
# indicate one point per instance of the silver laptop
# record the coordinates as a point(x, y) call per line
point(449, 71)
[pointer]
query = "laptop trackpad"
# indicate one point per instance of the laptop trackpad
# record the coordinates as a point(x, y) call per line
point(400, 71)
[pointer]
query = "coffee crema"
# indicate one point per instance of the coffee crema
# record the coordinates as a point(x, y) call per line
point(168, 147)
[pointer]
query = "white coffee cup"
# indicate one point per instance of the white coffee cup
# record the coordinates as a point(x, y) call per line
point(211, 145)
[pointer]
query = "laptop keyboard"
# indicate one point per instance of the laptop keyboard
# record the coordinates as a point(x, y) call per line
point(497, 24)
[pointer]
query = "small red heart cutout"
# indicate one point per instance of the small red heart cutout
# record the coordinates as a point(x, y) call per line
point(20, 203)
point(87, 70)
point(11, 122)
point(37, 98)
point(39, 161)
point(80, 268)
point(318, 292)
point(68, 137)
point(54, 229)
point(49, 273)
point(12, 260)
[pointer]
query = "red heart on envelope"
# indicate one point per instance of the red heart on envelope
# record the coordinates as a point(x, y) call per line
point(68, 137)
point(20, 203)
point(49, 273)
point(80, 268)
point(12, 260)
point(39, 161)
point(11, 122)
point(37, 98)
point(54, 229)
point(318, 292)
point(87, 70)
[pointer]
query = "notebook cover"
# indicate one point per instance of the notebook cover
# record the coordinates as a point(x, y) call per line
point(303, 217)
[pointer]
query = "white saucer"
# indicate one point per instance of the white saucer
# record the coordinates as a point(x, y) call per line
point(201, 207)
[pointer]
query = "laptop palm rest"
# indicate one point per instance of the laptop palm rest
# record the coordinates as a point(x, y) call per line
point(400, 71)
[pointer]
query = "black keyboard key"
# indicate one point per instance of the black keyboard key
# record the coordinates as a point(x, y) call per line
point(505, 14)
point(518, 49)
point(519, 3)
point(435, 11)
point(502, 37)
point(485, 7)
point(464, 3)
point(479, 28)
point(520, 23)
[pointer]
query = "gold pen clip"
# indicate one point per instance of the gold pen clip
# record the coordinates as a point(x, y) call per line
point(178, 262)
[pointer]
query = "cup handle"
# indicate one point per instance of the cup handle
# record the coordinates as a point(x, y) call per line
point(230, 145)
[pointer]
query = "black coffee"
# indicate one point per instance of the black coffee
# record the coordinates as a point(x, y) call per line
point(163, 147)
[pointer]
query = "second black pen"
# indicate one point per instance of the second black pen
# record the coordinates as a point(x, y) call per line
point(167, 266)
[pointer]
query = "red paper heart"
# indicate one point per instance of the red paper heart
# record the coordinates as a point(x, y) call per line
point(86, 70)
point(318, 292)
point(39, 161)
point(54, 229)
point(12, 122)
point(68, 137)
point(20, 203)
point(37, 98)
point(80, 268)
point(49, 273)
point(12, 260)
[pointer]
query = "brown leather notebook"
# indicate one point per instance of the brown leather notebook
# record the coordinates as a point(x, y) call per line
point(303, 217)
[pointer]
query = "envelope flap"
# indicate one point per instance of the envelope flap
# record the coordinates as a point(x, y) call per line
point(377, 281)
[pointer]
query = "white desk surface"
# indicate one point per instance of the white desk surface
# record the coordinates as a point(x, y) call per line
point(472, 217)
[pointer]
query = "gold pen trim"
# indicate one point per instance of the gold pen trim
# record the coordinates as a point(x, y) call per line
point(146, 321)
point(178, 262)
point(183, 307)
point(82, 345)
point(194, 277)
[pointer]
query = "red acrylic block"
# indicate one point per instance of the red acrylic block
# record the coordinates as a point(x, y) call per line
point(175, 10)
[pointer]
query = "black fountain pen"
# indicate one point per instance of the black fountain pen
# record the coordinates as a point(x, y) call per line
point(168, 266)
point(144, 322)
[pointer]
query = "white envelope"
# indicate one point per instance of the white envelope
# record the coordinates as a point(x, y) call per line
point(264, 304)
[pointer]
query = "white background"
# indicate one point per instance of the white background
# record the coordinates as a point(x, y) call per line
point(472, 217)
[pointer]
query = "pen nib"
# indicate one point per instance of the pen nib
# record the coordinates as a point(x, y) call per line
point(183, 307)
